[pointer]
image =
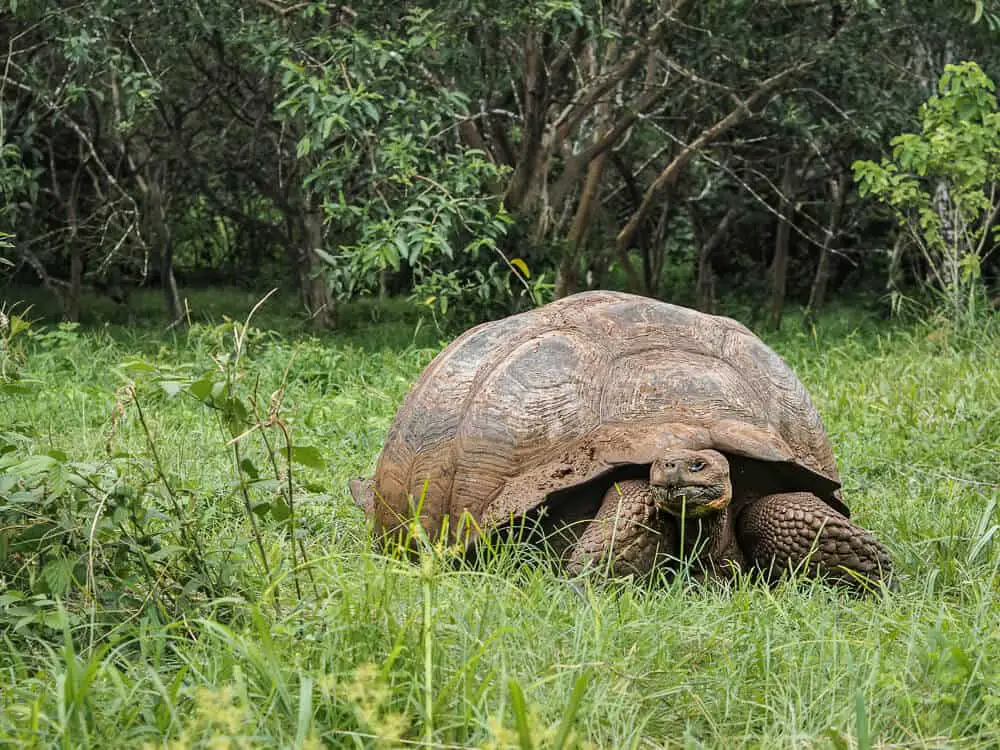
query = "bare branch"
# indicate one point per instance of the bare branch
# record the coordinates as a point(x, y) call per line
point(993, 216)
point(285, 10)
point(672, 171)
point(597, 88)
point(535, 104)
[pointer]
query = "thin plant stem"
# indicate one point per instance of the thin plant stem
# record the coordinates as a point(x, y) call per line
point(253, 521)
point(428, 652)
point(190, 540)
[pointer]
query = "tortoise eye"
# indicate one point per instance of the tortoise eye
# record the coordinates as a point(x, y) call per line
point(696, 466)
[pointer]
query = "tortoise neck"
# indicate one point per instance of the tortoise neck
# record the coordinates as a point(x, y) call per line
point(702, 535)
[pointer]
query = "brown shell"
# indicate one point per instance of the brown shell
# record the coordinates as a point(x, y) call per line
point(520, 407)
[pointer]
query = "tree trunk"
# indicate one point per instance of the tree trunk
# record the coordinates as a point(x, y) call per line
point(894, 277)
point(71, 309)
point(523, 185)
point(161, 238)
point(635, 198)
point(567, 281)
point(309, 270)
point(597, 268)
point(653, 252)
point(646, 255)
point(171, 294)
point(779, 265)
point(705, 288)
point(817, 293)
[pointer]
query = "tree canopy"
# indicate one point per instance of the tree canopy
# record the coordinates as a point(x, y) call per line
point(481, 156)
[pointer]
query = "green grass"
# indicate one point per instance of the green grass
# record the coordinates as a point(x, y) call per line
point(511, 656)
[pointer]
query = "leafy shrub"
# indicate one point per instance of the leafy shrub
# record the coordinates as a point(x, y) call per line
point(130, 534)
point(942, 183)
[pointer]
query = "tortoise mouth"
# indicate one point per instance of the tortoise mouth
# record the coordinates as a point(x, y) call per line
point(692, 500)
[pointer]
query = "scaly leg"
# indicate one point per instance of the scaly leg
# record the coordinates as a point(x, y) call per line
point(800, 531)
point(626, 531)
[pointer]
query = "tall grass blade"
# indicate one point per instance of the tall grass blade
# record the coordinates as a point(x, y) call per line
point(521, 719)
point(569, 714)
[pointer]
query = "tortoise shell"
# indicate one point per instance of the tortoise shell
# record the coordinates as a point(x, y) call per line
point(516, 409)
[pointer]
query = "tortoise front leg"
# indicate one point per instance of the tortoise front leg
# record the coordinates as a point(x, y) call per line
point(799, 531)
point(625, 532)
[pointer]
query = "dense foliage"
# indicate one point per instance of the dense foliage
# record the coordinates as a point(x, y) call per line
point(943, 183)
point(491, 154)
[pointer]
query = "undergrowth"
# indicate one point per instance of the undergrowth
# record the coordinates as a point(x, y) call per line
point(182, 565)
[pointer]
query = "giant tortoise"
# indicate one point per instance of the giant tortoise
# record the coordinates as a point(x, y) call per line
point(636, 432)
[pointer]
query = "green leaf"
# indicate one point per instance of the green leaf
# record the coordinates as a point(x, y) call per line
point(324, 256)
point(370, 110)
point(303, 147)
point(210, 390)
point(58, 576)
point(137, 365)
point(307, 455)
point(327, 127)
point(202, 388)
point(249, 469)
point(34, 466)
point(522, 267)
point(305, 713)
point(236, 415)
point(269, 484)
point(861, 721)
point(169, 552)
point(280, 510)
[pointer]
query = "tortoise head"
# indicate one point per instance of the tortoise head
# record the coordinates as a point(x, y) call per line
point(695, 483)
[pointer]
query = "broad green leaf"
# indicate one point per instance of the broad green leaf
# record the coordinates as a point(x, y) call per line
point(324, 256)
point(34, 466)
point(308, 455)
point(58, 576)
point(202, 388)
point(249, 469)
point(280, 510)
point(304, 146)
point(137, 365)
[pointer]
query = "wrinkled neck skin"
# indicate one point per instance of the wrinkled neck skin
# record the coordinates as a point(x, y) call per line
point(707, 537)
